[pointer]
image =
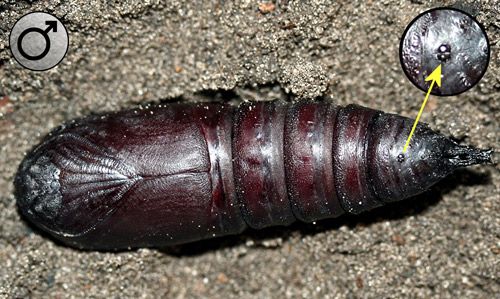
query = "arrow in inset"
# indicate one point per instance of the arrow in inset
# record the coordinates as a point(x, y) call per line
point(435, 76)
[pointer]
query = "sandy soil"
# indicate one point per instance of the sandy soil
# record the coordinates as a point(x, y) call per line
point(442, 244)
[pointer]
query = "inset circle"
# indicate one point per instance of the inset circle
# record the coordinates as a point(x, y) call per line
point(38, 41)
point(449, 37)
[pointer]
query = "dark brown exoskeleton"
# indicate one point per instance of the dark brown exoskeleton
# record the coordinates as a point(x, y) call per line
point(183, 172)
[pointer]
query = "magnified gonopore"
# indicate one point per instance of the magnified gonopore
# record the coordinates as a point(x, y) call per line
point(449, 37)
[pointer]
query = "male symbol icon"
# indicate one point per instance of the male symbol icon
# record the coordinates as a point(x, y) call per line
point(38, 41)
point(44, 33)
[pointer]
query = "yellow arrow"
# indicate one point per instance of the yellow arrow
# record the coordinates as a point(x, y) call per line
point(435, 76)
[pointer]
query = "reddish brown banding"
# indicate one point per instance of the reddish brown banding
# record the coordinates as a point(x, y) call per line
point(308, 160)
point(350, 163)
point(259, 169)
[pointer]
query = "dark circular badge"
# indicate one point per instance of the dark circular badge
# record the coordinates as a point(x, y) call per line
point(449, 37)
